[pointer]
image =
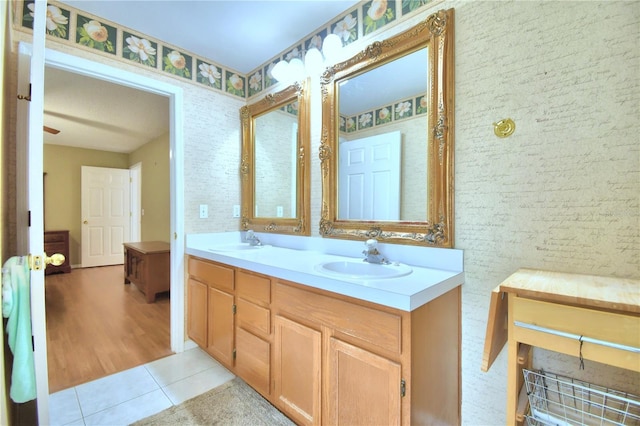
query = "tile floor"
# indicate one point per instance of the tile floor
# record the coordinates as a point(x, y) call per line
point(134, 394)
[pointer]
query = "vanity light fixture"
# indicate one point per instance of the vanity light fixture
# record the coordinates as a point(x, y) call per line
point(314, 61)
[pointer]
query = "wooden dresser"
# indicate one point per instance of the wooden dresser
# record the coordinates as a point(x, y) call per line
point(147, 265)
point(57, 242)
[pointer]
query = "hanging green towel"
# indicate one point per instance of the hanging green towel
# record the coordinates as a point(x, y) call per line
point(17, 308)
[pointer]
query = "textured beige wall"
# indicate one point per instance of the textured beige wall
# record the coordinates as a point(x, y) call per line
point(62, 196)
point(154, 157)
point(562, 193)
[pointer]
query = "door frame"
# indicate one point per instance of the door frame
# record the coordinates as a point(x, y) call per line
point(108, 73)
point(135, 192)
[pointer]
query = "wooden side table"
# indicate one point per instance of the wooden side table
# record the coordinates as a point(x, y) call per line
point(591, 317)
point(147, 265)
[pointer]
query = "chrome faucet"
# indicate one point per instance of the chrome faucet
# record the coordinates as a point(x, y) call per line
point(372, 254)
point(252, 239)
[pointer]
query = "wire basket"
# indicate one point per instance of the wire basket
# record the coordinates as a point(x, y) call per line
point(558, 400)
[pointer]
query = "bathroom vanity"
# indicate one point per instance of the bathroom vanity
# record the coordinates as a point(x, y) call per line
point(326, 350)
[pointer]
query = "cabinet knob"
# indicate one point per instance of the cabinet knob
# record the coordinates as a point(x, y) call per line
point(86, 222)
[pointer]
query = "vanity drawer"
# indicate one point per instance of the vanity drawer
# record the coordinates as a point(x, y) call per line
point(253, 317)
point(213, 274)
point(378, 328)
point(252, 287)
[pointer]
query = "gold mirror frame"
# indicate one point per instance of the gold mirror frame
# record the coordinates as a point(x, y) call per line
point(436, 33)
point(298, 225)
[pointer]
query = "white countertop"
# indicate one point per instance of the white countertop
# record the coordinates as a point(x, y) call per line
point(407, 293)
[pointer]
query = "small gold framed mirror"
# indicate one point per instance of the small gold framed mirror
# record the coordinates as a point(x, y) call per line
point(387, 139)
point(275, 163)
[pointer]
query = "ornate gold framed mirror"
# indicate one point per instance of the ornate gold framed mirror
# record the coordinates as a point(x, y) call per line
point(387, 139)
point(275, 163)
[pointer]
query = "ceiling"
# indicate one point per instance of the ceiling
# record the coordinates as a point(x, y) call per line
point(239, 34)
point(214, 29)
point(102, 115)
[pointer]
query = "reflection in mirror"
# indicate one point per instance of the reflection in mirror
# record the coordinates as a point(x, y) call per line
point(387, 141)
point(382, 166)
point(275, 152)
point(275, 163)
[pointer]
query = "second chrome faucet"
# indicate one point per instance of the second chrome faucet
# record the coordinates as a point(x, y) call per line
point(251, 238)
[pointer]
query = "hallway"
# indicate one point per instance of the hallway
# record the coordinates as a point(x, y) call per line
point(97, 326)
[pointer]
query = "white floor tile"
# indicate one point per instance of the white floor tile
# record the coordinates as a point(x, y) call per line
point(180, 366)
point(197, 384)
point(112, 390)
point(134, 394)
point(131, 410)
point(64, 408)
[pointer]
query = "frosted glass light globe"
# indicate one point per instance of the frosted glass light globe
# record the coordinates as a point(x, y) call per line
point(281, 71)
point(313, 61)
point(331, 48)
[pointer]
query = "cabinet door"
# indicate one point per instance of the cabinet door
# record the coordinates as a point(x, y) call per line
point(253, 360)
point(197, 312)
point(220, 326)
point(363, 388)
point(297, 370)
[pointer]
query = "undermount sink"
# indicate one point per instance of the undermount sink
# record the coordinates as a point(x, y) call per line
point(362, 270)
point(237, 247)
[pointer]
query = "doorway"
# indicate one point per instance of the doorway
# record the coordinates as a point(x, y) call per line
point(86, 67)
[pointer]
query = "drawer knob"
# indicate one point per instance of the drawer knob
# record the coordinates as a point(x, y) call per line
point(86, 222)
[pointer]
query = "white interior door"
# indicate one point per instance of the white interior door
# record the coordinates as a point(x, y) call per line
point(105, 208)
point(369, 178)
point(29, 195)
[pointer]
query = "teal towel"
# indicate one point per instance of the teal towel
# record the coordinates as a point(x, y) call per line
point(17, 308)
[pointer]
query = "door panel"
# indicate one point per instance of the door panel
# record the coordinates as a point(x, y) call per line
point(197, 312)
point(364, 388)
point(220, 326)
point(105, 213)
point(297, 370)
point(369, 178)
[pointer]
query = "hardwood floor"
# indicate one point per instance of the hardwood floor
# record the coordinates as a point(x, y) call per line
point(97, 326)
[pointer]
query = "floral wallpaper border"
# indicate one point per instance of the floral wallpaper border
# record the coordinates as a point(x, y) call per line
point(385, 114)
point(357, 23)
point(66, 24)
point(76, 27)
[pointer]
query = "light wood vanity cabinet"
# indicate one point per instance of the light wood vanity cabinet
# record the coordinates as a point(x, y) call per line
point(323, 358)
point(361, 370)
point(211, 312)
